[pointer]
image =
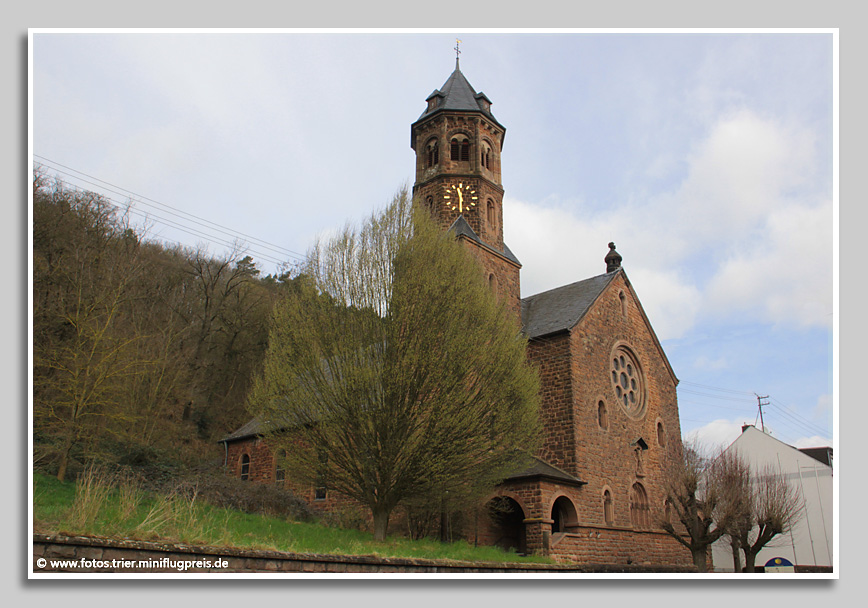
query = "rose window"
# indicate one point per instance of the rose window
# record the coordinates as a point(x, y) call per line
point(628, 383)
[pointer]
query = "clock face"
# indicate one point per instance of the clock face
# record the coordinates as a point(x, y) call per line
point(460, 197)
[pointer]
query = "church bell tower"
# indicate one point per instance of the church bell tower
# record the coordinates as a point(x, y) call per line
point(458, 144)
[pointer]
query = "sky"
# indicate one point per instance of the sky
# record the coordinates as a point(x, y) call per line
point(706, 157)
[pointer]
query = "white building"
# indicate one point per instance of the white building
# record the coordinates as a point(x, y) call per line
point(810, 541)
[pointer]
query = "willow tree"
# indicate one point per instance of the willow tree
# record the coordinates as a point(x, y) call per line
point(393, 373)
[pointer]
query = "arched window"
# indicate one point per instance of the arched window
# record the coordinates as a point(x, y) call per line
point(661, 435)
point(640, 515)
point(459, 148)
point(667, 511)
point(608, 508)
point(602, 415)
point(245, 467)
point(485, 156)
point(491, 213)
point(279, 471)
point(623, 300)
point(433, 153)
point(492, 283)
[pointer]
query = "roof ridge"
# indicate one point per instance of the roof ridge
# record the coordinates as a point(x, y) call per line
point(610, 275)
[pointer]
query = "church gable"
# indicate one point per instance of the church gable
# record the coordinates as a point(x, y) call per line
point(616, 307)
point(624, 393)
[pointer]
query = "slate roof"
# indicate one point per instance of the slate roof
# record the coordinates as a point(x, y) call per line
point(537, 468)
point(823, 454)
point(253, 428)
point(561, 308)
point(461, 228)
point(457, 94)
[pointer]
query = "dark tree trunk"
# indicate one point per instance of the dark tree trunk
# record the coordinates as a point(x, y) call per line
point(64, 460)
point(736, 556)
point(381, 523)
point(700, 559)
point(749, 561)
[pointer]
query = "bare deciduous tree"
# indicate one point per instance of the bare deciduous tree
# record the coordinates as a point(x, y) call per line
point(698, 500)
point(767, 506)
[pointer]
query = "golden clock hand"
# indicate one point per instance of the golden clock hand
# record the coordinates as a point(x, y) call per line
point(460, 201)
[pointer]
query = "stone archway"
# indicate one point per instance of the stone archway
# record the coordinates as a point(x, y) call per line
point(564, 515)
point(507, 520)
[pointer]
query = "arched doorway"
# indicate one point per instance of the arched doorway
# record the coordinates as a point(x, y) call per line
point(507, 518)
point(564, 515)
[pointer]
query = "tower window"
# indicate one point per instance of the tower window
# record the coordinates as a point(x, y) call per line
point(433, 153)
point(491, 220)
point(459, 148)
point(486, 157)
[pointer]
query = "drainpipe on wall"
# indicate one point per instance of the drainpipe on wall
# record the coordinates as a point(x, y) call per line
point(226, 454)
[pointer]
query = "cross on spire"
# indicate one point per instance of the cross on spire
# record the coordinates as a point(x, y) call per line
point(457, 52)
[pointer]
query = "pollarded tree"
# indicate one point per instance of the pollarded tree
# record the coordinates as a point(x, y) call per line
point(770, 507)
point(397, 372)
point(699, 501)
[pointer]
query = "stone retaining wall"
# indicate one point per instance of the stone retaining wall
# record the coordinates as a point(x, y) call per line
point(92, 554)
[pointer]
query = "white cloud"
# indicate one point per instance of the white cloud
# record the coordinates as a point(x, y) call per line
point(815, 441)
point(785, 277)
point(823, 408)
point(715, 435)
point(708, 364)
point(555, 246)
point(671, 304)
point(720, 433)
point(741, 235)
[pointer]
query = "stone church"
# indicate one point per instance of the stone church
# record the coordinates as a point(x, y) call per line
point(595, 491)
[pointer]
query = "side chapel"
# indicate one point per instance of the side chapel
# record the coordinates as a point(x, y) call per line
point(595, 491)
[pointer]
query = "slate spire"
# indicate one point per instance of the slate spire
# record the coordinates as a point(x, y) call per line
point(458, 94)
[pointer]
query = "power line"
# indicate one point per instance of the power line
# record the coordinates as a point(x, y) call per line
point(186, 229)
point(777, 403)
point(149, 215)
point(167, 208)
point(715, 388)
point(688, 391)
point(782, 416)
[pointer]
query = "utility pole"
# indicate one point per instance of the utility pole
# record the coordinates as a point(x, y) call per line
point(760, 404)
